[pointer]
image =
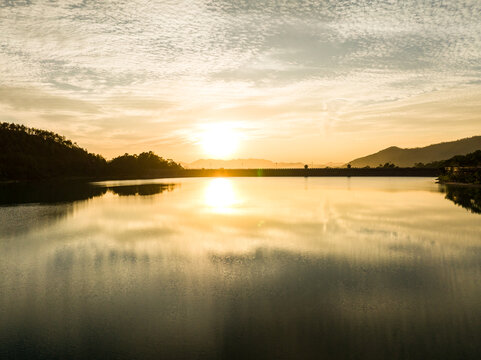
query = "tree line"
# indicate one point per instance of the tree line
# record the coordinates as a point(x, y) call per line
point(28, 153)
point(471, 159)
point(462, 169)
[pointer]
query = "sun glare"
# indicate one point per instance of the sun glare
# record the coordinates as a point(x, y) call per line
point(220, 196)
point(220, 140)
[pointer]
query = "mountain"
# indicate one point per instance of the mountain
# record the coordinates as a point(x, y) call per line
point(409, 157)
point(250, 164)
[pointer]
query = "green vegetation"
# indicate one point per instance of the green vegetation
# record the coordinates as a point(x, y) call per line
point(472, 159)
point(28, 153)
point(462, 169)
point(468, 160)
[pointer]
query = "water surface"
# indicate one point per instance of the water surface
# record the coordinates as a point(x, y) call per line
point(332, 268)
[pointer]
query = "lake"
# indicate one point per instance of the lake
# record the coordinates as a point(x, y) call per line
point(211, 268)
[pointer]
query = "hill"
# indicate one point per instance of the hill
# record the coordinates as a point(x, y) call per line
point(411, 157)
point(28, 154)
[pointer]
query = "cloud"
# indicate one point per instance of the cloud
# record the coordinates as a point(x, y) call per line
point(34, 99)
point(120, 67)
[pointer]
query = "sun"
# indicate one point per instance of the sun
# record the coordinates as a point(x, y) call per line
point(220, 140)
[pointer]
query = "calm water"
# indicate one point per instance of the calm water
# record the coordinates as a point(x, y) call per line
point(324, 268)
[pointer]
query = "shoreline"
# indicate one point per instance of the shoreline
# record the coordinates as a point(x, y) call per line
point(451, 183)
point(296, 172)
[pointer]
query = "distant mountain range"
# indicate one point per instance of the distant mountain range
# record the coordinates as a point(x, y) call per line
point(409, 157)
point(395, 155)
point(250, 164)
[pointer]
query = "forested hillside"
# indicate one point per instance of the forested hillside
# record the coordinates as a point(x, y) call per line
point(28, 153)
point(462, 169)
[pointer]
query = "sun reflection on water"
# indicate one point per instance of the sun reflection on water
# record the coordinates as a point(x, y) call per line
point(220, 196)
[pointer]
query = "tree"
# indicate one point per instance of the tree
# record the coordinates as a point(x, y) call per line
point(142, 164)
point(387, 165)
point(28, 153)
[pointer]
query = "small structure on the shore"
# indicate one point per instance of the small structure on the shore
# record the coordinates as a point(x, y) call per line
point(462, 174)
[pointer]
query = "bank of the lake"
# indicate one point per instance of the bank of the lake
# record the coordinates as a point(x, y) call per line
point(314, 172)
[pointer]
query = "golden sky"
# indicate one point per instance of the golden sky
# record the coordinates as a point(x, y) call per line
point(311, 81)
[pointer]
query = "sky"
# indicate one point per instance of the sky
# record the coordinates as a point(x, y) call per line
point(312, 81)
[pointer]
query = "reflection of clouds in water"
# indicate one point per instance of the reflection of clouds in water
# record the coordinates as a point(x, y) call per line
point(286, 296)
point(323, 271)
point(18, 219)
point(272, 213)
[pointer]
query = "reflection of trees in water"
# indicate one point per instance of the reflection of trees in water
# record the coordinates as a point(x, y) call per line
point(48, 192)
point(141, 190)
point(51, 192)
point(465, 196)
point(55, 201)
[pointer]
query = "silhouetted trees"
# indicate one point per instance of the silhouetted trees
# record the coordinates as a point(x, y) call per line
point(142, 164)
point(28, 153)
point(462, 169)
point(471, 159)
point(461, 175)
point(387, 166)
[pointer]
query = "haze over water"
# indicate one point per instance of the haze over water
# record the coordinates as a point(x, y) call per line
point(240, 268)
